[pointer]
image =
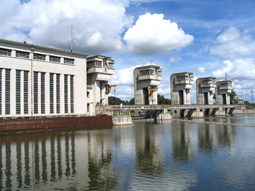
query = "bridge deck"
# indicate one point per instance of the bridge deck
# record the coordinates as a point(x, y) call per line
point(162, 107)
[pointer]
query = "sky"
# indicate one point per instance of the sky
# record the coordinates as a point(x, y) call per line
point(211, 38)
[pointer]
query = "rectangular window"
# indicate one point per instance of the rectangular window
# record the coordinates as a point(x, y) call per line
point(68, 61)
point(146, 72)
point(22, 54)
point(7, 91)
point(98, 64)
point(72, 94)
point(39, 57)
point(42, 93)
point(35, 92)
point(25, 92)
point(179, 78)
point(111, 65)
point(5, 52)
point(0, 91)
point(66, 92)
point(58, 92)
point(18, 91)
point(54, 59)
point(51, 93)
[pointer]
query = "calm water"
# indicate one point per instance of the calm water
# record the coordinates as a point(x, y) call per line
point(174, 155)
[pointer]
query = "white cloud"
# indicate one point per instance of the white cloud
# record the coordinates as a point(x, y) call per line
point(241, 72)
point(240, 69)
point(98, 24)
point(124, 76)
point(152, 34)
point(175, 59)
point(233, 43)
point(201, 70)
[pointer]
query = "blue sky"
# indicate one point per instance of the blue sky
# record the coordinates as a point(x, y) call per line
point(206, 37)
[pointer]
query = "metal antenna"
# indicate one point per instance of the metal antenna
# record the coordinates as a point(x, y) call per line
point(72, 37)
point(226, 76)
point(252, 92)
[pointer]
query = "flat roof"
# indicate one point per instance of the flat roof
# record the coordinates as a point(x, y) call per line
point(42, 47)
point(149, 66)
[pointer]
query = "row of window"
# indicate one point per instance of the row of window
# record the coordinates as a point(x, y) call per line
point(150, 72)
point(22, 54)
point(98, 64)
point(39, 79)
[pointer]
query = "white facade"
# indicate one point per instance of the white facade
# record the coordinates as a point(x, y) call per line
point(223, 91)
point(99, 71)
point(43, 81)
point(205, 88)
point(181, 83)
point(146, 80)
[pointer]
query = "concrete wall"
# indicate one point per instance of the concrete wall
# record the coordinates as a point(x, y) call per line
point(122, 120)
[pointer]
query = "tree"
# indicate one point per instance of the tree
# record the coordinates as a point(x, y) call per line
point(163, 100)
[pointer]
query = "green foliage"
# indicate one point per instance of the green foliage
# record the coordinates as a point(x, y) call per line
point(162, 100)
point(117, 101)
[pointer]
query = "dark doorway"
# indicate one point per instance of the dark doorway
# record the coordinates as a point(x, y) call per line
point(146, 96)
point(181, 97)
point(206, 99)
point(224, 100)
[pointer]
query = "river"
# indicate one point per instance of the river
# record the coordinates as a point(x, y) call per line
point(200, 154)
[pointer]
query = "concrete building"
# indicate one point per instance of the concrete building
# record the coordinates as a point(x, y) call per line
point(146, 80)
point(99, 71)
point(43, 81)
point(181, 83)
point(223, 91)
point(205, 88)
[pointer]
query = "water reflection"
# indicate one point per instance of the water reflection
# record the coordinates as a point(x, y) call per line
point(29, 163)
point(148, 157)
point(176, 155)
point(207, 140)
point(100, 166)
point(183, 149)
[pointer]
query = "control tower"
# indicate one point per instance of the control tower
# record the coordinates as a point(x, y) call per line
point(223, 91)
point(181, 83)
point(146, 80)
point(205, 88)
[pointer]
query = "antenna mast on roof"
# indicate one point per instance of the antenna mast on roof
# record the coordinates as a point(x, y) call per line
point(72, 37)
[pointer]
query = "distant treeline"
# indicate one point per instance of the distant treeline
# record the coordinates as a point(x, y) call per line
point(116, 101)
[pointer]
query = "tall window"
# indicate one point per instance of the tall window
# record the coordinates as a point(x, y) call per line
point(18, 91)
point(72, 94)
point(0, 90)
point(51, 93)
point(7, 91)
point(42, 93)
point(66, 92)
point(25, 92)
point(58, 92)
point(35, 92)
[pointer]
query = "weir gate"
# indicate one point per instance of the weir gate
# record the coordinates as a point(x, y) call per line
point(192, 110)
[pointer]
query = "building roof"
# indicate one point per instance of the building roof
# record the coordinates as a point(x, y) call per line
point(149, 66)
point(43, 47)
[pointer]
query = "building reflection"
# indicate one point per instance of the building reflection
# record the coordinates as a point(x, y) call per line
point(25, 164)
point(225, 135)
point(183, 150)
point(148, 157)
point(207, 141)
point(100, 165)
